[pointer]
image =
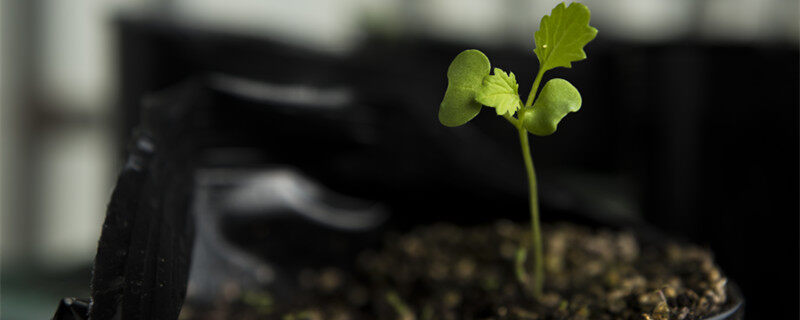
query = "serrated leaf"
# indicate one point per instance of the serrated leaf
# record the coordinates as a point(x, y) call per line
point(464, 78)
point(499, 91)
point(562, 36)
point(558, 97)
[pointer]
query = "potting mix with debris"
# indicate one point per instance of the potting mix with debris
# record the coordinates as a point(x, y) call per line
point(449, 272)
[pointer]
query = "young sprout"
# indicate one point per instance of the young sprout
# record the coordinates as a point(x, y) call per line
point(559, 42)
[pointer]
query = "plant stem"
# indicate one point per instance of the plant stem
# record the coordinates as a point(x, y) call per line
point(514, 122)
point(399, 306)
point(534, 87)
point(536, 236)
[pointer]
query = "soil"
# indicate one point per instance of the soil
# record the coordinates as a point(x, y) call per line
point(448, 272)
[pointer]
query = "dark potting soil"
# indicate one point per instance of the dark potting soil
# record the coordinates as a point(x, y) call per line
point(449, 272)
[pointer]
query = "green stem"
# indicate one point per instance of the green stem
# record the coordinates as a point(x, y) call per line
point(514, 122)
point(536, 236)
point(534, 87)
point(399, 306)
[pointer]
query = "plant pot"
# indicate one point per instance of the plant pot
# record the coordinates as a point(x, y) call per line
point(149, 239)
point(246, 265)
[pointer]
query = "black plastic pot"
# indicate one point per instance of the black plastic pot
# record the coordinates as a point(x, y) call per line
point(227, 252)
point(211, 155)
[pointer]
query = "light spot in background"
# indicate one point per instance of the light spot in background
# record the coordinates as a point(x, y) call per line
point(467, 20)
point(644, 20)
point(9, 135)
point(74, 59)
point(74, 185)
point(326, 25)
point(746, 20)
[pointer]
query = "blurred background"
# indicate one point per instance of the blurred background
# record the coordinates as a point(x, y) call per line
point(690, 118)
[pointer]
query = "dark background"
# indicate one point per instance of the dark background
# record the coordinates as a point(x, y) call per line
point(682, 135)
point(694, 134)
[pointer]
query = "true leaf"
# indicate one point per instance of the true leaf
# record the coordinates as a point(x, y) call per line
point(558, 97)
point(464, 78)
point(562, 35)
point(499, 91)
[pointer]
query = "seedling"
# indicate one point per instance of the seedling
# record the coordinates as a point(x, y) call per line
point(559, 42)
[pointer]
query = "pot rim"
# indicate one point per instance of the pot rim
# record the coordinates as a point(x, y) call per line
point(736, 294)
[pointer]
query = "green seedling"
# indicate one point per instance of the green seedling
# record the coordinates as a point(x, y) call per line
point(404, 312)
point(470, 86)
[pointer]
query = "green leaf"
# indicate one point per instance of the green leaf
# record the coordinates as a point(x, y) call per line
point(562, 35)
point(558, 97)
point(499, 91)
point(464, 77)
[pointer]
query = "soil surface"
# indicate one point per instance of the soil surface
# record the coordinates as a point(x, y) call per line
point(448, 272)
